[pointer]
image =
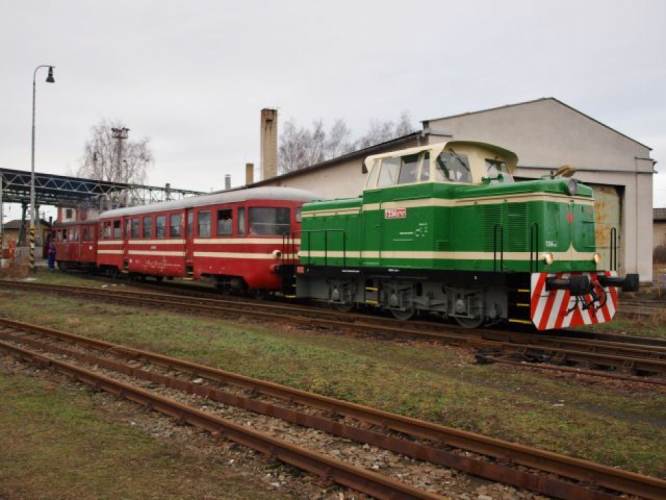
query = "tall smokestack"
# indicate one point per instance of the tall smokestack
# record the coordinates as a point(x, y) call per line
point(227, 182)
point(269, 143)
point(249, 174)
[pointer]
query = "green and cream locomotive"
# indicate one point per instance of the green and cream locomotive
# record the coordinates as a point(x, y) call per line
point(444, 229)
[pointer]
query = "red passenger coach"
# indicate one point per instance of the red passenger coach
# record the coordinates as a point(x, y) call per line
point(76, 244)
point(244, 240)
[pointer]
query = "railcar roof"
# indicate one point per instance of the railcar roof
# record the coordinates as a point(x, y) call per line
point(233, 196)
point(74, 223)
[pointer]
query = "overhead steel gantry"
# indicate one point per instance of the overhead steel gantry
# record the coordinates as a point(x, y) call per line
point(60, 190)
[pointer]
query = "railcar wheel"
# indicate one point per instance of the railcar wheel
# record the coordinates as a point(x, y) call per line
point(343, 306)
point(470, 322)
point(403, 315)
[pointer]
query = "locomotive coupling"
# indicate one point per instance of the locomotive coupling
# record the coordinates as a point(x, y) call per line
point(577, 285)
point(628, 283)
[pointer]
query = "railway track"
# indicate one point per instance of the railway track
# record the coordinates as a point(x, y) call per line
point(608, 355)
point(191, 390)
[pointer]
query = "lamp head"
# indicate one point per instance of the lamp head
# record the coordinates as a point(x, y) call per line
point(49, 78)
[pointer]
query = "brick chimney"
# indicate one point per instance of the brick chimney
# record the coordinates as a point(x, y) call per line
point(249, 174)
point(269, 143)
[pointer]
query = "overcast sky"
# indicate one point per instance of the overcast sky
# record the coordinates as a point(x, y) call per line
point(193, 76)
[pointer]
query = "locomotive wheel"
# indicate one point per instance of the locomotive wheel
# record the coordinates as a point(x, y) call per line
point(344, 307)
point(403, 315)
point(470, 322)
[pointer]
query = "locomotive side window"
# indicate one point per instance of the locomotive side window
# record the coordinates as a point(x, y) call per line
point(175, 223)
point(408, 169)
point(136, 229)
point(453, 167)
point(266, 221)
point(225, 222)
point(204, 225)
point(495, 168)
point(425, 168)
point(389, 172)
point(116, 229)
point(147, 228)
point(372, 178)
point(240, 228)
point(160, 227)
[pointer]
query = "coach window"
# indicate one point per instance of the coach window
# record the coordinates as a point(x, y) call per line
point(175, 222)
point(269, 221)
point(84, 234)
point(190, 224)
point(106, 230)
point(388, 175)
point(225, 222)
point(147, 228)
point(135, 229)
point(240, 228)
point(160, 227)
point(116, 229)
point(204, 225)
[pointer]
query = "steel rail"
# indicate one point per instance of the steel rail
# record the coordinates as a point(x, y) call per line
point(555, 488)
point(564, 466)
point(335, 470)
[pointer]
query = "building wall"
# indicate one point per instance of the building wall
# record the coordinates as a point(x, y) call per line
point(659, 236)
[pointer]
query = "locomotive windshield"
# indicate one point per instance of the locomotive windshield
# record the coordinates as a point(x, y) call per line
point(268, 221)
point(453, 167)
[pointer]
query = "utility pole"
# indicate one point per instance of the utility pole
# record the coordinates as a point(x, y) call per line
point(121, 134)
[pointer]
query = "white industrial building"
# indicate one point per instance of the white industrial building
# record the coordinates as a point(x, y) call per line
point(545, 134)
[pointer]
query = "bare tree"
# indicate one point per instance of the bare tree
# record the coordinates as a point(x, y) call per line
point(115, 160)
point(301, 147)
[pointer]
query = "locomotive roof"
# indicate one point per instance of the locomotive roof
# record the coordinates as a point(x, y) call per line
point(232, 196)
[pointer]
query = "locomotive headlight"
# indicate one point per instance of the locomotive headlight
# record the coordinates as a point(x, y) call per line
point(548, 258)
point(572, 187)
point(277, 254)
point(596, 257)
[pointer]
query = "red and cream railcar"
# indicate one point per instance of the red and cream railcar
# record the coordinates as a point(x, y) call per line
point(75, 243)
point(241, 239)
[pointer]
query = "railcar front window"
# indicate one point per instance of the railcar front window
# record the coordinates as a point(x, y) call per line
point(453, 167)
point(147, 228)
point(116, 229)
point(204, 224)
point(495, 168)
point(106, 229)
point(225, 222)
point(160, 227)
point(265, 221)
point(175, 223)
point(240, 228)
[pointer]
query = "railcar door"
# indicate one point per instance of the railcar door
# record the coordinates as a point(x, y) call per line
point(189, 243)
point(126, 234)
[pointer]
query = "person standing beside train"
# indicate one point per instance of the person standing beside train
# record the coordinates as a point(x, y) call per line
point(51, 256)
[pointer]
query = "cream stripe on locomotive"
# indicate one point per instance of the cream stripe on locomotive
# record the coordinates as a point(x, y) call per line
point(576, 256)
point(243, 255)
point(450, 203)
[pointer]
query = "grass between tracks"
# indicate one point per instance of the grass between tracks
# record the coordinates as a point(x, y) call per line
point(607, 422)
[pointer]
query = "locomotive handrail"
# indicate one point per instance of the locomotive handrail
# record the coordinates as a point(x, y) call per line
point(501, 232)
point(326, 231)
point(613, 249)
point(534, 250)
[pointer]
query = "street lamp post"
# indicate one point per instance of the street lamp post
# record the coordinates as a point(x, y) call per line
point(49, 79)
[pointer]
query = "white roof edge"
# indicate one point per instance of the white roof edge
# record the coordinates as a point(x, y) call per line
point(233, 196)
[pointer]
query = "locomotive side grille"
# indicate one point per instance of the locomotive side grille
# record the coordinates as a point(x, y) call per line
point(491, 216)
point(517, 225)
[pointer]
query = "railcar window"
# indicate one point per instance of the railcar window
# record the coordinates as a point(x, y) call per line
point(116, 229)
point(225, 222)
point(299, 214)
point(204, 225)
point(265, 221)
point(136, 229)
point(84, 234)
point(160, 227)
point(190, 223)
point(453, 167)
point(389, 172)
point(147, 228)
point(175, 223)
point(240, 227)
point(408, 169)
point(494, 168)
point(74, 235)
point(107, 230)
